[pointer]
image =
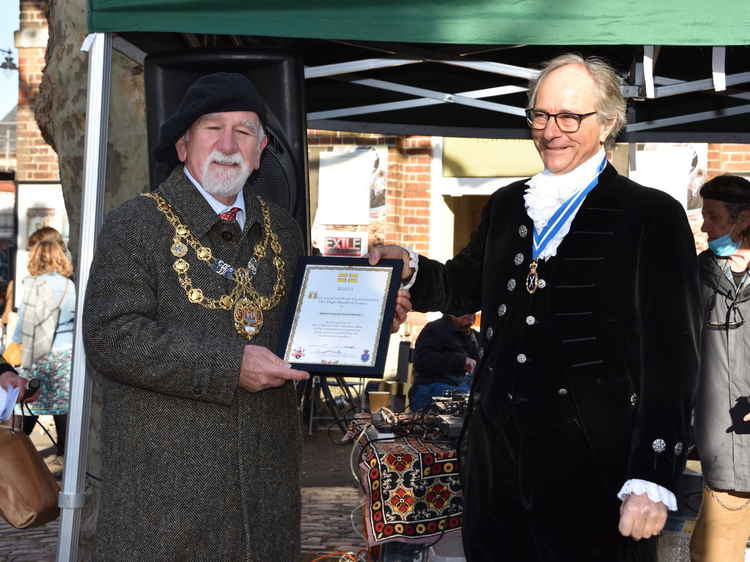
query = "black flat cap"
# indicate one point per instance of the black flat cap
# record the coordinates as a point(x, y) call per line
point(213, 93)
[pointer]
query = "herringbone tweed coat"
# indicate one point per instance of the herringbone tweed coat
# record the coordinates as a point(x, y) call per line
point(195, 468)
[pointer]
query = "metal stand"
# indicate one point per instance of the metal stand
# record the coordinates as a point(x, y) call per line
point(72, 497)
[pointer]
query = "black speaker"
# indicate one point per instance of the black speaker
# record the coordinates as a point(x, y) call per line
point(279, 78)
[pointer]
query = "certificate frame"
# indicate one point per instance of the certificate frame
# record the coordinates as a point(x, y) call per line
point(308, 266)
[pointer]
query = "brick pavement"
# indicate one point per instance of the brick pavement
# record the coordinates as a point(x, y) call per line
point(326, 527)
point(28, 545)
point(327, 520)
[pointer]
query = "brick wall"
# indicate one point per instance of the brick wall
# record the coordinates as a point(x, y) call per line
point(35, 160)
point(412, 222)
point(408, 188)
point(728, 159)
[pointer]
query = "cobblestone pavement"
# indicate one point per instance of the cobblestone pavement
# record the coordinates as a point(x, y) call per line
point(326, 527)
point(327, 520)
point(28, 545)
point(326, 508)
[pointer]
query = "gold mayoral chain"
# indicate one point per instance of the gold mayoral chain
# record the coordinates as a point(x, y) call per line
point(247, 304)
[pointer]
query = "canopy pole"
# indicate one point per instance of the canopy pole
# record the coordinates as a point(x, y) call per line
point(648, 70)
point(72, 497)
point(718, 66)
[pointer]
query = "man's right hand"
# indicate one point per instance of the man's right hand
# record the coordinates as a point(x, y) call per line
point(470, 365)
point(262, 369)
point(391, 252)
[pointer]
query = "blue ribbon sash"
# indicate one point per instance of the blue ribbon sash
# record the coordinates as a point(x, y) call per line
point(540, 240)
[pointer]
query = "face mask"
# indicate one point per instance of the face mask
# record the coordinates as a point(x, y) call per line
point(723, 246)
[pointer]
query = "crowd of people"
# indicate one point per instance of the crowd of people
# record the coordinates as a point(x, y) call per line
point(600, 331)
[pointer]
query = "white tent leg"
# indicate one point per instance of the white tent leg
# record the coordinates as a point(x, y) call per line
point(94, 176)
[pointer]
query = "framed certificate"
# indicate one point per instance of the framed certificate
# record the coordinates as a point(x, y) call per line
point(340, 315)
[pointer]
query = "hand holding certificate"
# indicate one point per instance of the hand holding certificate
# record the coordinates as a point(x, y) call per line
point(340, 315)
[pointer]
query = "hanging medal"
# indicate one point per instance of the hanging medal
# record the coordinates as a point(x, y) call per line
point(540, 240)
point(246, 304)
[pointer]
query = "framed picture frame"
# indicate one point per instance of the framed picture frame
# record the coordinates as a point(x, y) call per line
point(339, 317)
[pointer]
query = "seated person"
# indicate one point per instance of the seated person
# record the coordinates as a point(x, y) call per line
point(445, 355)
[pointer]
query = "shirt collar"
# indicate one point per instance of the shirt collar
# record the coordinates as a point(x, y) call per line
point(217, 206)
point(562, 186)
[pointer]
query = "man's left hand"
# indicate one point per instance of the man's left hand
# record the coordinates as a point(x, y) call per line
point(746, 418)
point(641, 517)
point(403, 306)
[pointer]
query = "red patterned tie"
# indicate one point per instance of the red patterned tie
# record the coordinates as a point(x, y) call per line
point(230, 215)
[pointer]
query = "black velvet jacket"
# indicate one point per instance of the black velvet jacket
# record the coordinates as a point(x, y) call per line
point(611, 336)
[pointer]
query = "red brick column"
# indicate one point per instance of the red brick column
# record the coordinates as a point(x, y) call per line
point(35, 160)
point(728, 159)
point(412, 221)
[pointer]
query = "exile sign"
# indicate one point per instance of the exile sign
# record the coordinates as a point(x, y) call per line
point(342, 246)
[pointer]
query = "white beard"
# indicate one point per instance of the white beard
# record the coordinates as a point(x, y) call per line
point(225, 182)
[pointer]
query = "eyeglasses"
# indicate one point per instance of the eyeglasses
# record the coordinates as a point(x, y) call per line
point(734, 317)
point(567, 122)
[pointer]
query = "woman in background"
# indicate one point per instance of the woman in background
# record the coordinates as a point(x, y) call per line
point(45, 329)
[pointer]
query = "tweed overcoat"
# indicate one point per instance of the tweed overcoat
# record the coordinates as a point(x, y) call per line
point(723, 438)
point(582, 385)
point(194, 468)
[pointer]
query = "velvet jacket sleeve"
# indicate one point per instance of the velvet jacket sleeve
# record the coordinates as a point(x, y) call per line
point(129, 335)
point(664, 349)
point(456, 287)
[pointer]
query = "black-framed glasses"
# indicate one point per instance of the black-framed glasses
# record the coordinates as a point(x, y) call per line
point(566, 121)
point(734, 318)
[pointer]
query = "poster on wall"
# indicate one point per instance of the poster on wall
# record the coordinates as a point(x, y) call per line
point(38, 205)
point(676, 168)
point(352, 192)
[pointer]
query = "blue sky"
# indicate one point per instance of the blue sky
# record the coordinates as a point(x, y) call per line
point(8, 79)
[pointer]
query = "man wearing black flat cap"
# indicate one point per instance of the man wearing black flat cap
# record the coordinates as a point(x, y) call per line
point(722, 409)
point(188, 287)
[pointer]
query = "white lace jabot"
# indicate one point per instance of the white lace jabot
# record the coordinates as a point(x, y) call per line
point(547, 191)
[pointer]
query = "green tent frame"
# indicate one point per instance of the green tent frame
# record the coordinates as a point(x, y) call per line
point(494, 22)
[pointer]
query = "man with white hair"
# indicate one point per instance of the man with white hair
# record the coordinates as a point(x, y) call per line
point(187, 293)
point(587, 282)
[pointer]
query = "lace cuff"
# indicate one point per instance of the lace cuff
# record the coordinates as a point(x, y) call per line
point(414, 265)
point(655, 492)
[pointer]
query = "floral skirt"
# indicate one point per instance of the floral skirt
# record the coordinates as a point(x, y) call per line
point(53, 371)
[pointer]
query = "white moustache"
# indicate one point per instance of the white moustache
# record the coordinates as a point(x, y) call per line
point(220, 158)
